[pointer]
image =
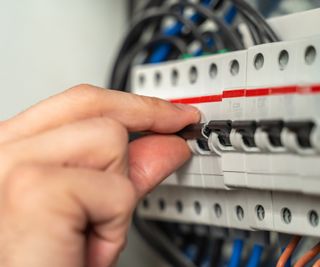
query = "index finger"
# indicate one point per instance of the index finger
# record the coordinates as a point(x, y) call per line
point(136, 113)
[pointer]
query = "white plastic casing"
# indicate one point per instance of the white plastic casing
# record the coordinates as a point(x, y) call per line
point(234, 77)
point(269, 183)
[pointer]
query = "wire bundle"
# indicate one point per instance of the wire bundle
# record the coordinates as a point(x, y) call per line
point(150, 40)
point(211, 27)
point(310, 255)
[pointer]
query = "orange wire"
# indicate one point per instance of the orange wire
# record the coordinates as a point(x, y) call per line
point(308, 256)
point(288, 251)
point(316, 264)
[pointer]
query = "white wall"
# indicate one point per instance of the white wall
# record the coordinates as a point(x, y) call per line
point(47, 46)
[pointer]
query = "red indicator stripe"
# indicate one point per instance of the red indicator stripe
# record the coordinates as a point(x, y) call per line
point(199, 99)
point(315, 88)
point(257, 92)
point(280, 90)
point(310, 89)
point(233, 93)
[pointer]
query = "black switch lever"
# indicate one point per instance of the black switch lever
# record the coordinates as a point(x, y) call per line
point(222, 128)
point(192, 131)
point(273, 128)
point(247, 130)
point(302, 129)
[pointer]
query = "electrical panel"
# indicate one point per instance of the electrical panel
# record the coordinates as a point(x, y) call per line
point(259, 169)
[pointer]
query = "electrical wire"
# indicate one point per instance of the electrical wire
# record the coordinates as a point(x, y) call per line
point(215, 38)
point(288, 251)
point(255, 257)
point(230, 15)
point(243, 6)
point(237, 248)
point(227, 33)
point(161, 52)
point(153, 3)
point(202, 242)
point(316, 264)
point(153, 14)
point(140, 24)
point(288, 263)
point(254, 28)
point(124, 69)
point(307, 257)
point(216, 252)
point(161, 244)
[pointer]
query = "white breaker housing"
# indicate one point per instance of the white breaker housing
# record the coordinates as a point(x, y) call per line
point(266, 176)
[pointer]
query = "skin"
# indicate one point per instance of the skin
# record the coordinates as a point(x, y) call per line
point(69, 180)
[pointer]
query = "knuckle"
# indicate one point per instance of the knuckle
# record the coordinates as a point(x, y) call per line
point(153, 105)
point(114, 127)
point(117, 130)
point(153, 101)
point(82, 88)
point(22, 185)
point(84, 93)
point(111, 128)
point(126, 203)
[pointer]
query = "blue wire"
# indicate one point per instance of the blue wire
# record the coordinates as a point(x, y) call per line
point(205, 262)
point(229, 18)
point(230, 15)
point(235, 259)
point(255, 257)
point(191, 252)
point(162, 51)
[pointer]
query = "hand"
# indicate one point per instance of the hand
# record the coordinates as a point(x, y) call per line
point(69, 180)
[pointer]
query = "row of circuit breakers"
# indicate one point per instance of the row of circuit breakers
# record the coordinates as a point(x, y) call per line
point(259, 168)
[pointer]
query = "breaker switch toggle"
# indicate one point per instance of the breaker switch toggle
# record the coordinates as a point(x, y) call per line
point(247, 130)
point(273, 129)
point(302, 130)
point(222, 128)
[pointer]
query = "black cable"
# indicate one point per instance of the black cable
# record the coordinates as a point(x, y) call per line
point(153, 3)
point(124, 68)
point(255, 30)
point(212, 5)
point(202, 242)
point(161, 244)
point(225, 30)
point(132, 6)
point(216, 252)
point(140, 25)
point(243, 6)
point(217, 4)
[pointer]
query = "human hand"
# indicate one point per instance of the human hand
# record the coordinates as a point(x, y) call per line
point(69, 180)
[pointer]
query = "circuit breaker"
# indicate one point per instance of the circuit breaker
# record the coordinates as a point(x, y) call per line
point(259, 167)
